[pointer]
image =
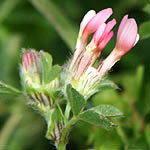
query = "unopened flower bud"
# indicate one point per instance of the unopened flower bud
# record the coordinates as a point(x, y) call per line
point(35, 69)
point(31, 65)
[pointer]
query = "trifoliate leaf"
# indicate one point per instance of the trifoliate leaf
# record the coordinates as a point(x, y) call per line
point(76, 100)
point(100, 115)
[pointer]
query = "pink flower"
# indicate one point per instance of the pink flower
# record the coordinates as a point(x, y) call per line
point(96, 21)
point(27, 60)
point(90, 23)
point(99, 40)
point(83, 73)
point(127, 35)
point(106, 36)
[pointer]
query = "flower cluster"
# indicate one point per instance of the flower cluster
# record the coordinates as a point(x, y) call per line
point(82, 73)
point(46, 85)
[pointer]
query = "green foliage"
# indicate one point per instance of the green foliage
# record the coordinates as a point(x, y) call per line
point(76, 100)
point(62, 25)
point(108, 111)
point(100, 115)
point(53, 118)
point(145, 30)
point(46, 65)
point(7, 89)
point(54, 72)
point(49, 72)
point(6, 8)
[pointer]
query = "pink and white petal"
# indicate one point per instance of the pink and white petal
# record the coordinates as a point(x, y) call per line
point(99, 32)
point(122, 24)
point(137, 39)
point(127, 36)
point(104, 42)
point(106, 65)
point(109, 27)
point(98, 19)
point(25, 61)
point(85, 61)
point(89, 15)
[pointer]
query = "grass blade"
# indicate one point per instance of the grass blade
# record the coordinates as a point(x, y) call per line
point(58, 20)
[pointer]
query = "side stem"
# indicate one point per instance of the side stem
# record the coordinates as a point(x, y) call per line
point(63, 140)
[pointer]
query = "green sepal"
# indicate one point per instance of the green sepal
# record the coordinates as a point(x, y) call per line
point(76, 100)
point(107, 84)
point(7, 89)
point(54, 120)
point(101, 115)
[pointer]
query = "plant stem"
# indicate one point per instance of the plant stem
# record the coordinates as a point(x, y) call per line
point(8, 129)
point(6, 8)
point(63, 140)
point(123, 137)
point(67, 112)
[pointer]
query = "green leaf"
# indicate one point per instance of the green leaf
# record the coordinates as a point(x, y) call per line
point(100, 115)
point(76, 100)
point(54, 72)
point(144, 30)
point(46, 65)
point(108, 111)
point(95, 118)
point(49, 72)
point(59, 21)
point(108, 84)
point(7, 89)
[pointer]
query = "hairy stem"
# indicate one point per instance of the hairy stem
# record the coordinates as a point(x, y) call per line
point(63, 140)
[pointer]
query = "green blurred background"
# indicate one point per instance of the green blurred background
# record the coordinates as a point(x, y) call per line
point(52, 25)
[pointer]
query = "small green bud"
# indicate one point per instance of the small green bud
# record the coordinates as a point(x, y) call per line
point(39, 80)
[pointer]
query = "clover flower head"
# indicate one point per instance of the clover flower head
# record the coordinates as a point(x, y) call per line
point(34, 76)
point(82, 73)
